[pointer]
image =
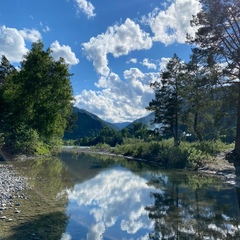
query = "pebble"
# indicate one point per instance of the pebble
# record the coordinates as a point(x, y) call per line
point(11, 187)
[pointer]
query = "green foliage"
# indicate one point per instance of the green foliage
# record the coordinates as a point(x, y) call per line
point(69, 142)
point(168, 99)
point(186, 155)
point(218, 32)
point(25, 140)
point(36, 102)
point(102, 146)
point(106, 135)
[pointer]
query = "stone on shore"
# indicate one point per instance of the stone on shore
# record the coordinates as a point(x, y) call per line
point(11, 186)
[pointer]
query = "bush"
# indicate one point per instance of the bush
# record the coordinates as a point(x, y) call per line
point(23, 140)
point(102, 146)
point(211, 147)
point(189, 155)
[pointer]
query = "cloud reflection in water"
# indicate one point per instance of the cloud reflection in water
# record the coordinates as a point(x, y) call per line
point(115, 199)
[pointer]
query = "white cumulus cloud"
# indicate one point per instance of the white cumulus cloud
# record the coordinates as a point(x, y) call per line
point(12, 42)
point(148, 64)
point(86, 7)
point(32, 35)
point(132, 60)
point(66, 236)
point(172, 25)
point(118, 41)
point(163, 63)
point(120, 100)
point(65, 52)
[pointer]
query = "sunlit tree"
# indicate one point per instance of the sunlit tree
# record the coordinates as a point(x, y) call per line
point(168, 98)
point(38, 101)
point(218, 32)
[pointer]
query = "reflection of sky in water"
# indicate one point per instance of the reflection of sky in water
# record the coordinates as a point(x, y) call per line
point(110, 206)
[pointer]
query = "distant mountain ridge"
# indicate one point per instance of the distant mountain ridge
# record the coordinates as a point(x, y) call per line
point(89, 124)
point(121, 125)
point(148, 121)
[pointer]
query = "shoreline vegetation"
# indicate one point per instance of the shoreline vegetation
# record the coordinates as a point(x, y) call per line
point(216, 165)
point(187, 155)
point(207, 157)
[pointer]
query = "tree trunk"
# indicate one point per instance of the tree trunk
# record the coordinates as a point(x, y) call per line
point(195, 127)
point(176, 137)
point(237, 139)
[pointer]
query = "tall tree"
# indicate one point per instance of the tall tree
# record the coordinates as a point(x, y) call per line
point(39, 98)
point(219, 33)
point(168, 99)
point(201, 101)
point(6, 69)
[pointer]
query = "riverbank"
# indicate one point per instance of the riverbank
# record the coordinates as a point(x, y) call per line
point(12, 185)
point(219, 165)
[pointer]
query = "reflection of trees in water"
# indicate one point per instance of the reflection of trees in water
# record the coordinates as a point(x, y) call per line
point(133, 165)
point(182, 212)
point(47, 175)
point(44, 211)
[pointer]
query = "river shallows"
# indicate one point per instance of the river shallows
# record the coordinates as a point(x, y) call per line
point(91, 197)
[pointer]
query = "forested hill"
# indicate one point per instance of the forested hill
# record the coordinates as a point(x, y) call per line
point(87, 125)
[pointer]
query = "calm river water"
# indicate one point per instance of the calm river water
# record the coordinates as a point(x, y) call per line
point(91, 197)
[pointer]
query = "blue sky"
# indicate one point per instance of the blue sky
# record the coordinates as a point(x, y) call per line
point(114, 48)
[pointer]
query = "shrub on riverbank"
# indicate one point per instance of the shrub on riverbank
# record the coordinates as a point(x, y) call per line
point(187, 155)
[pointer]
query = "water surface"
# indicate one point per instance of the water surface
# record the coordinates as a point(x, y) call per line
point(130, 200)
point(93, 197)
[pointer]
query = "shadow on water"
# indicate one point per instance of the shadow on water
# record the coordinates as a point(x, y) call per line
point(45, 227)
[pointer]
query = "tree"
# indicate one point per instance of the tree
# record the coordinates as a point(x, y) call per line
point(38, 99)
point(168, 99)
point(202, 103)
point(139, 130)
point(6, 68)
point(219, 33)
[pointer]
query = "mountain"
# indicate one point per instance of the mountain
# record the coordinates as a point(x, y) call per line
point(147, 120)
point(121, 125)
point(88, 125)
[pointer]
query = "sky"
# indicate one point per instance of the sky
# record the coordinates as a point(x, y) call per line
point(114, 48)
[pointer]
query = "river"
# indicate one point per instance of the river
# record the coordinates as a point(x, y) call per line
point(80, 196)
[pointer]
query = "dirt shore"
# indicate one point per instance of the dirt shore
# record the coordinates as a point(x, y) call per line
point(221, 166)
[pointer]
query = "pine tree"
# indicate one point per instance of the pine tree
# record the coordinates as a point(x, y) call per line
point(168, 99)
point(219, 33)
point(201, 101)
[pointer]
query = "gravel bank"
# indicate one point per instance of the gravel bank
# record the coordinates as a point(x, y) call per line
point(11, 188)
